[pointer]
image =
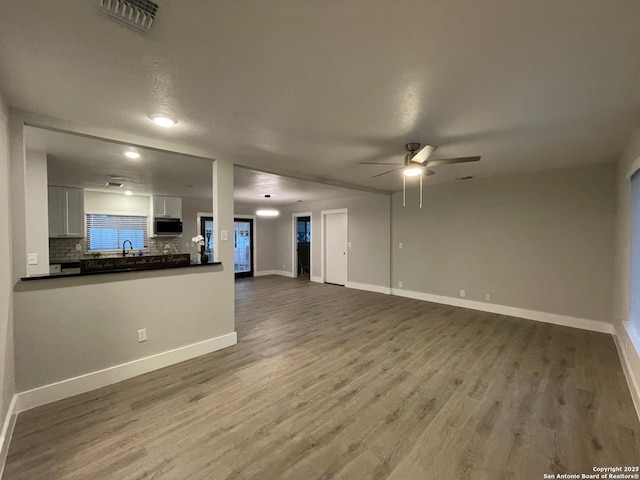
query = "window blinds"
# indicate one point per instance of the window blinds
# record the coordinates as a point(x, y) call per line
point(108, 232)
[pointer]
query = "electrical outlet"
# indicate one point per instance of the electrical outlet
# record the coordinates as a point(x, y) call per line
point(463, 293)
point(32, 258)
point(487, 297)
point(400, 284)
point(349, 245)
point(224, 235)
point(142, 335)
point(400, 245)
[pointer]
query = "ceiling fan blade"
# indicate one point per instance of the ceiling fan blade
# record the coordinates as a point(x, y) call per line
point(428, 172)
point(424, 153)
point(379, 163)
point(447, 161)
point(380, 174)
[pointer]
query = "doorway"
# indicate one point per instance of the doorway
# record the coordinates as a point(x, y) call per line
point(302, 260)
point(335, 246)
point(243, 247)
point(206, 230)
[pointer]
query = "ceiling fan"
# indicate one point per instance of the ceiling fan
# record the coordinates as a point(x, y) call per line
point(416, 162)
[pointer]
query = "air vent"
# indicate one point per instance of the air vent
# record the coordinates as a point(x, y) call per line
point(137, 15)
point(114, 184)
point(468, 177)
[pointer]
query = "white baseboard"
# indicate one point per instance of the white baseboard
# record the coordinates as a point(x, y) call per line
point(554, 318)
point(263, 273)
point(369, 288)
point(101, 378)
point(626, 349)
point(284, 273)
point(7, 432)
point(316, 279)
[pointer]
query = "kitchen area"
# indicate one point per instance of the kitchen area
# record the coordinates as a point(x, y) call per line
point(111, 207)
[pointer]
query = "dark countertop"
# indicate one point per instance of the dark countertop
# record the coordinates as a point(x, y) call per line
point(46, 276)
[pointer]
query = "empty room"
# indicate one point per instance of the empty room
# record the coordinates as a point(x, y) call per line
point(319, 240)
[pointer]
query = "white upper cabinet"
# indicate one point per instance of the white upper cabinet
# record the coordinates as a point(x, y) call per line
point(167, 207)
point(66, 212)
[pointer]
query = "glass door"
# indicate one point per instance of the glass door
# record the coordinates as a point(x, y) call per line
point(243, 247)
point(206, 230)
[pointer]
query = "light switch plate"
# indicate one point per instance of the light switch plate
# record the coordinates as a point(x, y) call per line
point(32, 258)
point(142, 335)
point(224, 235)
point(349, 245)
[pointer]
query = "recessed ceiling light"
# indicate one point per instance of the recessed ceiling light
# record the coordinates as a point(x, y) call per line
point(131, 154)
point(128, 193)
point(164, 120)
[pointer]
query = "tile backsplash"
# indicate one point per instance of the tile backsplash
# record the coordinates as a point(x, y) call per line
point(63, 250)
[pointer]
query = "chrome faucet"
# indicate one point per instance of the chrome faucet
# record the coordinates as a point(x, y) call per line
point(124, 252)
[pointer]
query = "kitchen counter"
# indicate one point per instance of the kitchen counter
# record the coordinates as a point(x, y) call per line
point(139, 268)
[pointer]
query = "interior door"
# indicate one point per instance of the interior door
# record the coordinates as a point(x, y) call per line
point(335, 245)
point(243, 247)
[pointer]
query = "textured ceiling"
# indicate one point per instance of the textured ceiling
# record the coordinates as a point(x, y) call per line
point(313, 88)
point(77, 161)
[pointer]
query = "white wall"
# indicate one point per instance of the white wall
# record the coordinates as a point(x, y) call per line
point(7, 387)
point(368, 233)
point(37, 217)
point(541, 242)
point(116, 203)
point(75, 326)
point(628, 344)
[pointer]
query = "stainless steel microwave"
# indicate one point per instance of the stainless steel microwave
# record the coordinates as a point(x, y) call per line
point(167, 227)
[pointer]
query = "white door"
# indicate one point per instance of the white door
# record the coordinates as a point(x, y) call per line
point(335, 248)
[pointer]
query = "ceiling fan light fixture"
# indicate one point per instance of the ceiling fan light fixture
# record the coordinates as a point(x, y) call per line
point(412, 171)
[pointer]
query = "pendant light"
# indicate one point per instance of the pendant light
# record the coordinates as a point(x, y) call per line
point(267, 212)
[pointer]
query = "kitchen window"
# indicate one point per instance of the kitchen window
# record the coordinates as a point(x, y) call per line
point(108, 232)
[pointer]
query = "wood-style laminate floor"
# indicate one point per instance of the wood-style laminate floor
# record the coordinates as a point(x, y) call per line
point(328, 382)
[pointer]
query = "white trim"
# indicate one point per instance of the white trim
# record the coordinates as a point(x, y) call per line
point(554, 318)
point(263, 273)
point(323, 228)
point(369, 288)
point(335, 210)
point(283, 273)
point(316, 279)
point(7, 432)
point(635, 166)
point(634, 388)
point(294, 238)
point(101, 378)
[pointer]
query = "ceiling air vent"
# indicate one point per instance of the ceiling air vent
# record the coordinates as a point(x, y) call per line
point(137, 15)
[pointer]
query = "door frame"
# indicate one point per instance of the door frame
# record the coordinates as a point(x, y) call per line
point(199, 216)
point(324, 214)
point(254, 241)
point(294, 242)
